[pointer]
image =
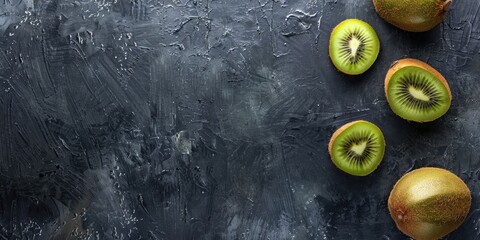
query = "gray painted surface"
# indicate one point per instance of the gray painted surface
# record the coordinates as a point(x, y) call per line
point(203, 119)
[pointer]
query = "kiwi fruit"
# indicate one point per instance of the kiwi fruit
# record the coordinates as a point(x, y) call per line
point(429, 203)
point(357, 147)
point(416, 91)
point(412, 15)
point(354, 46)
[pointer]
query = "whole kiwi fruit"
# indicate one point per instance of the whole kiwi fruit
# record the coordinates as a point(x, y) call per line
point(429, 203)
point(412, 15)
point(357, 147)
point(416, 91)
point(353, 47)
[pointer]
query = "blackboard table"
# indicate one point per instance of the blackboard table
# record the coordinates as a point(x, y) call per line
point(203, 119)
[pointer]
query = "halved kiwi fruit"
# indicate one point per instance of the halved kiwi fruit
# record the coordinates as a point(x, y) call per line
point(412, 15)
point(428, 203)
point(357, 147)
point(354, 46)
point(416, 91)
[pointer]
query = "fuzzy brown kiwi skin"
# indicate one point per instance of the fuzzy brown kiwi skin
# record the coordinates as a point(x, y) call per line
point(399, 16)
point(410, 62)
point(447, 199)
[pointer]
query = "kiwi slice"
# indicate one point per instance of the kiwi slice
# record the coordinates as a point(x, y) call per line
point(416, 91)
point(412, 15)
point(357, 147)
point(429, 203)
point(354, 46)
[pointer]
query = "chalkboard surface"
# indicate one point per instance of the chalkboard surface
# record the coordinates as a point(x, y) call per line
point(210, 119)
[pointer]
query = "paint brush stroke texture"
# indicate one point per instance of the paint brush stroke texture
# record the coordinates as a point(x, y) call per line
point(202, 119)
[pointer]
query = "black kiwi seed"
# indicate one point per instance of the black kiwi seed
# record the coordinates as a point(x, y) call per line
point(359, 138)
point(347, 53)
point(418, 82)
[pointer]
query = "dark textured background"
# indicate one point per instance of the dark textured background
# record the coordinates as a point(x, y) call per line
point(209, 119)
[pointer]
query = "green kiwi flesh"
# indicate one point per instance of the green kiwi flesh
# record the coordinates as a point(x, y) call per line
point(357, 148)
point(354, 46)
point(417, 95)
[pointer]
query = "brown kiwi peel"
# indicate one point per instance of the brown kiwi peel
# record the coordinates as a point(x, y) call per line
point(444, 7)
point(404, 14)
point(429, 203)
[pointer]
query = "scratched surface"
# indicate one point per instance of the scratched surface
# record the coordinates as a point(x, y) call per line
point(209, 119)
